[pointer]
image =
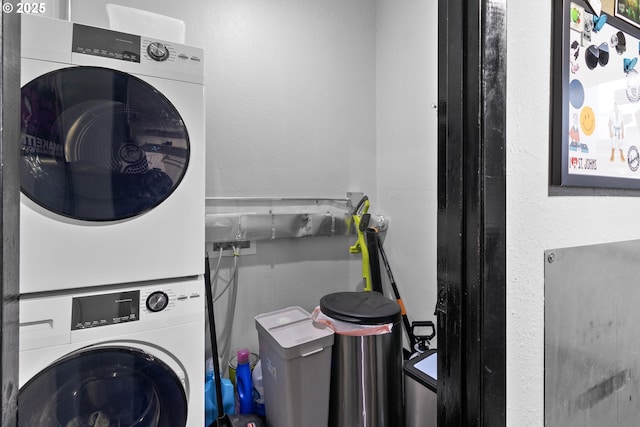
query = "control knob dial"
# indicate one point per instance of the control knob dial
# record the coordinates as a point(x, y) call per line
point(157, 301)
point(158, 51)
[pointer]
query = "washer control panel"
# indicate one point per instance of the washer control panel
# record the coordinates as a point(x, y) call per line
point(160, 303)
point(50, 320)
point(105, 309)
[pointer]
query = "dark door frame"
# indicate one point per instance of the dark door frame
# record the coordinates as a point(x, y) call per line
point(9, 212)
point(471, 309)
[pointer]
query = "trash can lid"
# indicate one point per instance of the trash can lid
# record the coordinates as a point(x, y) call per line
point(424, 369)
point(362, 308)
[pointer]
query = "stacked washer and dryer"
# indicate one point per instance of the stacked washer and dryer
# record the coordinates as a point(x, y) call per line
point(112, 229)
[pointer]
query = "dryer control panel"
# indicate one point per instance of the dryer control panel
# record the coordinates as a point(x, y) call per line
point(136, 53)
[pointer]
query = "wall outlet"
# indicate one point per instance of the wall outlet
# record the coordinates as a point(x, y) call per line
point(247, 247)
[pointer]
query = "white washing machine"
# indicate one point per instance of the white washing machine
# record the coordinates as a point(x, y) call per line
point(121, 356)
point(112, 157)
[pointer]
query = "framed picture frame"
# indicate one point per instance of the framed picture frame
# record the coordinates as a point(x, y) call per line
point(595, 97)
point(629, 11)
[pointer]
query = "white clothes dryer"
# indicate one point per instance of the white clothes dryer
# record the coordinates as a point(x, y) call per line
point(111, 157)
point(120, 356)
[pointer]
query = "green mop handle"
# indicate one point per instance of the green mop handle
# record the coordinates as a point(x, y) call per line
point(361, 244)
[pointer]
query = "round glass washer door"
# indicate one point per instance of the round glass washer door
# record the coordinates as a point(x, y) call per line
point(99, 144)
point(106, 387)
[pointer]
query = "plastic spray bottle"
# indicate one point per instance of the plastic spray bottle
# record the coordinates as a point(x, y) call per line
point(258, 389)
point(244, 383)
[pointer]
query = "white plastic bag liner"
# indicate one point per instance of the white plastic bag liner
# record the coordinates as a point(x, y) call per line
point(346, 328)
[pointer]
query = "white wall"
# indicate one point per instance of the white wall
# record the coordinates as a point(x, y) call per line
point(535, 221)
point(291, 98)
point(407, 61)
point(291, 113)
point(54, 9)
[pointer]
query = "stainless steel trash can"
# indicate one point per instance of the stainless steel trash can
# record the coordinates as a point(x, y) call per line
point(366, 370)
point(421, 390)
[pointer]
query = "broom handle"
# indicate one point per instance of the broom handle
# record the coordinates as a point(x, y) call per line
point(405, 318)
point(221, 417)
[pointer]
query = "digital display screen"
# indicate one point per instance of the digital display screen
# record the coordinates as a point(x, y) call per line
point(105, 309)
point(106, 43)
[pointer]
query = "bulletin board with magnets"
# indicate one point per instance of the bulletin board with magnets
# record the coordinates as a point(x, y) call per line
point(595, 94)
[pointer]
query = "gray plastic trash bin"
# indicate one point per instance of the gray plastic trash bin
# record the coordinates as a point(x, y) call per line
point(366, 370)
point(295, 356)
